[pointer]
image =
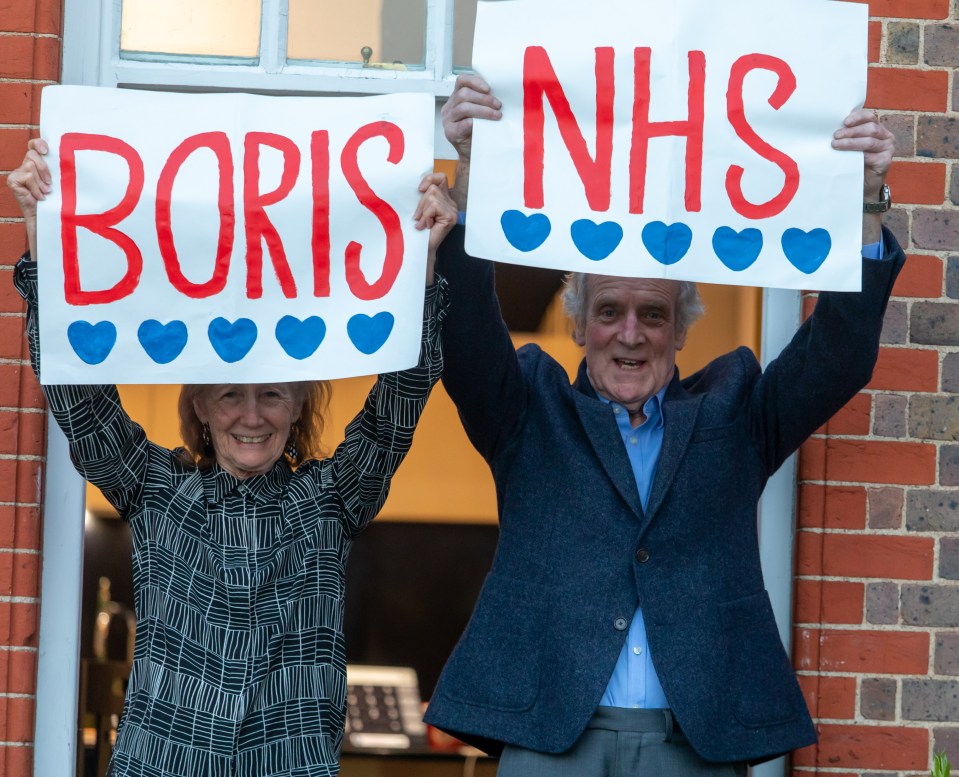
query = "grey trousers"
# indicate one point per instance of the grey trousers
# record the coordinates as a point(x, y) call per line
point(619, 743)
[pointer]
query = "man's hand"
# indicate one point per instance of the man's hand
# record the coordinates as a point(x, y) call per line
point(861, 131)
point(471, 99)
point(436, 212)
point(30, 183)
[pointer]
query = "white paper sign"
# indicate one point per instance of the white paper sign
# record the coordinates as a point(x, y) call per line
point(230, 238)
point(686, 140)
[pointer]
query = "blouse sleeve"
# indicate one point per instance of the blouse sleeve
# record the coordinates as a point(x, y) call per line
point(378, 439)
point(106, 446)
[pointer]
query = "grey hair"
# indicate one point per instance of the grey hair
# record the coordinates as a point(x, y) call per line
point(689, 306)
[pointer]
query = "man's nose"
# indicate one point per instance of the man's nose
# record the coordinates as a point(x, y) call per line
point(631, 333)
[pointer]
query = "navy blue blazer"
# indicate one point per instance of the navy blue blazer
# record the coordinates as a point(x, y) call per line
point(577, 551)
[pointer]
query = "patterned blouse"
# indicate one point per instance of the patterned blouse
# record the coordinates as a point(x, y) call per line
point(239, 666)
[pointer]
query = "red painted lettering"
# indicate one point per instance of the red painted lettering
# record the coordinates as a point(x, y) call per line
point(644, 129)
point(219, 144)
point(99, 223)
point(320, 242)
point(258, 225)
point(539, 81)
point(737, 117)
point(393, 259)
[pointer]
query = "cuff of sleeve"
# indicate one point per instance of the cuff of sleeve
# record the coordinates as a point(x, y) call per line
point(25, 278)
point(874, 251)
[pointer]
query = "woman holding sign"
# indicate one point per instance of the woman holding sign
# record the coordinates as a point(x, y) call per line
point(240, 542)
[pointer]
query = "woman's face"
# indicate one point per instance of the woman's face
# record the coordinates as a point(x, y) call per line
point(249, 423)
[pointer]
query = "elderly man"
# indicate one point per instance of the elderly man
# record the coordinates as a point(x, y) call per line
point(624, 628)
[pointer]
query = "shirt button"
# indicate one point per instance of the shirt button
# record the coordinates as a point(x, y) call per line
point(620, 624)
point(638, 650)
point(642, 555)
point(615, 411)
point(633, 440)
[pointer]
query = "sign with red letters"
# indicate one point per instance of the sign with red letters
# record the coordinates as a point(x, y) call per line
point(685, 140)
point(230, 238)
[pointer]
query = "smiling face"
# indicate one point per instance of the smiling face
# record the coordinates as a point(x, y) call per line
point(631, 338)
point(249, 423)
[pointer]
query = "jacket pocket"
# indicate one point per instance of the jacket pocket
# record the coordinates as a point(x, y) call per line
point(496, 663)
point(760, 679)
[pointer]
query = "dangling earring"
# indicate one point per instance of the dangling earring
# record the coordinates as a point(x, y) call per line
point(291, 449)
point(205, 439)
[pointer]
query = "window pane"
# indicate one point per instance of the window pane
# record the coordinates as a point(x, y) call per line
point(226, 28)
point(464, 20)
point(380, 32)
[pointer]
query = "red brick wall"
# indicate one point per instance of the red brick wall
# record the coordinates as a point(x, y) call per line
point(877, 599)
point(29, 57)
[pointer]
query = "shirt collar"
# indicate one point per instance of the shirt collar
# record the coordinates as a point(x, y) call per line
point(652, 408)
point(218, 483)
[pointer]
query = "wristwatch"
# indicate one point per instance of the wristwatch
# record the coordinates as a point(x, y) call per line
point(884, 204)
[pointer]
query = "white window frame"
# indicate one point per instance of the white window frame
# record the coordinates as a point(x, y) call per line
point(91, 41)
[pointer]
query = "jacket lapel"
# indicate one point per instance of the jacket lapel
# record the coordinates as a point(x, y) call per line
point(603, 434)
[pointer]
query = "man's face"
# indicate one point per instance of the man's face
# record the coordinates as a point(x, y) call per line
point(631, 338)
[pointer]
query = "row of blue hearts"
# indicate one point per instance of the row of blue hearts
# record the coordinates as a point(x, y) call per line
point(669, 243)
point(232, 340)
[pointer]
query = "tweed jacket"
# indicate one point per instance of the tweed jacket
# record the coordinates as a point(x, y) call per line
point(577, 552)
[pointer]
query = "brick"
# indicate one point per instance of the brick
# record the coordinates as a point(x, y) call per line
point(937, 230)
point(890, 416)
point(903, 43)
point(22, 433)
point(947, 654)
point(868, 461)
point(950, 372)
point(859, 555)
point(19, 527)
point(13, 144)
point(949, 558)
point(921, 276)
point(885, 507)
point(14, 391)
point(829, 698)
point(851, 419)
point(16, 103)
point(930, 700)
point(899, 221)
point(934, 417)
point(832, 507)
point(18, 671)
point(873, 652)
point(16, 718)
point(895, 324)
point(918, 183)
point(952, 276)
point(934, 323)
point(11, 335)
point(930, 605)
point(16, 760)
point(902, 89)
point(946, 740)
point(933, 511)
point(829, 601)
point(19, 574)
point(941, 45)
point(36, 16)
point(903, 126)
point(949, 465)
point(906, 369)
point(937, 137)
point(877, 698)
point(882, 603)
point(809, 549)
point(19, 623)
point(866, 747)
point(954, 188)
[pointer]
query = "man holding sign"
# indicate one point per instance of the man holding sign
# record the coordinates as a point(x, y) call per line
point(624, 628)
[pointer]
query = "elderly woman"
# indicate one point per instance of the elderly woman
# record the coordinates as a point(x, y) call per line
point(240, 542)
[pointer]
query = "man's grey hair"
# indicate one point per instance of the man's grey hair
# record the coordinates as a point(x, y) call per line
point(689, 307)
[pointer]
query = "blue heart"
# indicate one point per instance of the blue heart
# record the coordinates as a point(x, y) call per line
point(92, 342)
point(667, 243)
point(232, 341)
point(300, 339)
point(806, 251)
point(525, 233)
point(369, 333)
point(162, 342)
point(596, 241)
point(737, 250)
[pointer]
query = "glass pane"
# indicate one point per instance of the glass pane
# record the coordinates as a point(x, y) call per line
point(226, 28)
point(383, 33)
point(464, 20)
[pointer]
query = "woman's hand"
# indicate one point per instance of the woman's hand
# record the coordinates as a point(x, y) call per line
point(30, 183)
point(436, 212)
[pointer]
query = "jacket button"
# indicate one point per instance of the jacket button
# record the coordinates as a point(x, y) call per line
point(642, 555)
point(620, 624)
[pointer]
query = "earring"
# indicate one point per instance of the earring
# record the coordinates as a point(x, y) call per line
point(291, 449)
point(205, 439)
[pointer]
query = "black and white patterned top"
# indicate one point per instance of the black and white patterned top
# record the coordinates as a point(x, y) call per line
point(239, 667)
